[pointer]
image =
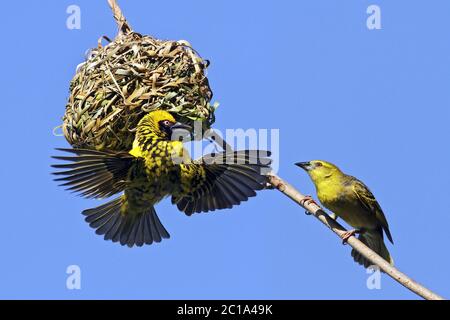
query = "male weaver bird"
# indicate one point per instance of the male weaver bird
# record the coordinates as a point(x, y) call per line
point(350, 199)
point(155, 168)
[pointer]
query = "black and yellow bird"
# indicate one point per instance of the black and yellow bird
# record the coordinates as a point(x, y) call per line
point(351, 200)
point(155, 168)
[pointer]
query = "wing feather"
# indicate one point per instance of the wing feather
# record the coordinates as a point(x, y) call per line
point(220, 181)
point(367, 199)
point(94, 174)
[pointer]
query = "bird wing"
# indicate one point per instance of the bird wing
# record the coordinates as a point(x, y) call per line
point(367, 199)
point(221, 180)
point(94, 174)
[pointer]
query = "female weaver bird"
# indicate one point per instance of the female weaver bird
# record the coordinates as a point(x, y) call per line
point(351, 200)
point(155, 168)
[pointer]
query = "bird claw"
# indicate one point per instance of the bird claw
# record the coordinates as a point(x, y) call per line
point(307, 200)
point(348, 234)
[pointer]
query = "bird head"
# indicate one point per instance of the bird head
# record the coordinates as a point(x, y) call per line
point(161, 124)
point(319, 170)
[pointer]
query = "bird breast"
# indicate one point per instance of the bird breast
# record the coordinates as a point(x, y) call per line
point(345, 204)
point(161, 171)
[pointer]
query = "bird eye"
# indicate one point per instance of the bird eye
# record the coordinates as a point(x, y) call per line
point(166, 123)
point(318, 164)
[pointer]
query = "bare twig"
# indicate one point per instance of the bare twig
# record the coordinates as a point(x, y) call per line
point(124, 27)
point(338, 229)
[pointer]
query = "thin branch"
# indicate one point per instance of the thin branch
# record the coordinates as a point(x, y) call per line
point(338, 229)
point(124, 27)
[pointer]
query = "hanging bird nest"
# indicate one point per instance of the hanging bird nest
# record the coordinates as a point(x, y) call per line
point(130, 76)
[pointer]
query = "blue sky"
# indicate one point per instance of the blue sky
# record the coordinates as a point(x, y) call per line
point(375, 102)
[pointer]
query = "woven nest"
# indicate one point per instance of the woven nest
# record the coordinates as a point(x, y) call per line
point(129, 77)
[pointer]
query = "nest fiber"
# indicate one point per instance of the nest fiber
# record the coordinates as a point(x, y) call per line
point(129, 77)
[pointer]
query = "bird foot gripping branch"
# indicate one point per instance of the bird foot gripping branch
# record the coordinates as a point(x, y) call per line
point(307, 201)
point(346, 235)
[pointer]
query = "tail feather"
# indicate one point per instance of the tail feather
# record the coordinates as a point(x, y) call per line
point(374, 240)
point(130, 230)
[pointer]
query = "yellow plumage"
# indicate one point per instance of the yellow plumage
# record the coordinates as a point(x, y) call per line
point(155, 168)
point(351, 200)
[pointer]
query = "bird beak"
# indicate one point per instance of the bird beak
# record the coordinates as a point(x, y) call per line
point(304, 165)
point(180, 125)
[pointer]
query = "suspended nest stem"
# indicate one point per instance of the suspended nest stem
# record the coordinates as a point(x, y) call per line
point(125, 79)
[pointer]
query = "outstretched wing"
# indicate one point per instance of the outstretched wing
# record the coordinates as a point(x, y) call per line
point(94, 174)
point(368, 200)
point(219, 181)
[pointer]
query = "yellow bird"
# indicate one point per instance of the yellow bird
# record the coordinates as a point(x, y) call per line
point(155, 168)
point(350, 199)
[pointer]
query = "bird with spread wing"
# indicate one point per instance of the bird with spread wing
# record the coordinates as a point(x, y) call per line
point(155, 168)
